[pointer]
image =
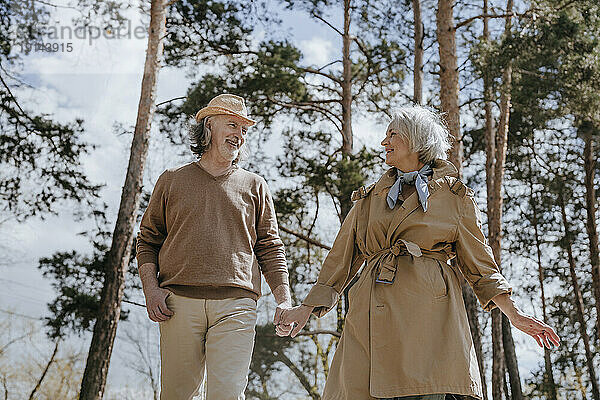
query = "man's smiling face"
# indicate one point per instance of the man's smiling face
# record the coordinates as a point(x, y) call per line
point(227, 136)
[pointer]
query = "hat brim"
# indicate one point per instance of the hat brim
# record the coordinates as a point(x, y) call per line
point(212, 110)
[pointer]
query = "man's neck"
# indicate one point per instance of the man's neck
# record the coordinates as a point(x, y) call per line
point(213, 166)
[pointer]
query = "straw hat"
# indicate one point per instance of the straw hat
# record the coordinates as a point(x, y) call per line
point(228, 104)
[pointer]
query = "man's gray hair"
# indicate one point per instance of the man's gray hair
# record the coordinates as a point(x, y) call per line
point(424, 130)
point(200, 138)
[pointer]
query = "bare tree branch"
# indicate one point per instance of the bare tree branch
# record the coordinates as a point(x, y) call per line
point(318, 72)
point(312, 390)
point(169, 101)
point(327, 23)
point(39, 382)
point(305, 238)
point(134, 303)
point(320, 332)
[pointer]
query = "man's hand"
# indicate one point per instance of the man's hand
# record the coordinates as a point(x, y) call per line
point(297, 316)
point(282, 329)
point(284, 300)
point(156, 305)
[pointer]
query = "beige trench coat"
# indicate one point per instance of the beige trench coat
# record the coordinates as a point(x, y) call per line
point(410, 337)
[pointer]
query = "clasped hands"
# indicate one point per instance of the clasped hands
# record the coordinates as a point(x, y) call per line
point(289, 320)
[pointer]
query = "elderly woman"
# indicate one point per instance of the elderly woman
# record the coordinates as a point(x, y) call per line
point(406, 331)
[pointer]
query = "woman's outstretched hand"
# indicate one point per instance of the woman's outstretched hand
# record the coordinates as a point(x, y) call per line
point(298, 316)
point(543, 334)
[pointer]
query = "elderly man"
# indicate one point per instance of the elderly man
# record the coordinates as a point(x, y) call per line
point(208, 233)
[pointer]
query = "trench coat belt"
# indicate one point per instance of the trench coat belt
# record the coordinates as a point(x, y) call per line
point(386, 258)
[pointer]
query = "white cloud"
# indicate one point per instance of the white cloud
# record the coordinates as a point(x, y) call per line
point(316, 51)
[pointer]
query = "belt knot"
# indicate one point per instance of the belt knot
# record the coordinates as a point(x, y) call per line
point(387, 269)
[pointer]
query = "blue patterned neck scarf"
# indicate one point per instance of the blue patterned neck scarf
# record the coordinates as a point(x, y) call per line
point(418, 178)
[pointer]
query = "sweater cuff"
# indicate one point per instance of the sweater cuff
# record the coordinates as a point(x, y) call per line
point(276, 279)
point(146, 257)
point(323, 298)
point(487, 287)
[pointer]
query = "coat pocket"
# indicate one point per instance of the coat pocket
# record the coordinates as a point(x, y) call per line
point(437, 279)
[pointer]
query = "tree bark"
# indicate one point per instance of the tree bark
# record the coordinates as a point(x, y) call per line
point(490, 178)
point(501, 144)
point(497, 355)
point(501, 330)
point(589, 162)
point(473, 316)
point(490, 161)
point(490, 135)
point(347, 137)
point(449, 103)
point(117, 260)
point(346, 87)
point(511, 360)
point(578, 300)
point(446, 36)
point(549, 384)
point(418, 64)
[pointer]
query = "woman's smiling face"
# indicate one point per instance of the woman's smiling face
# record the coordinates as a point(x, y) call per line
point(396, 147)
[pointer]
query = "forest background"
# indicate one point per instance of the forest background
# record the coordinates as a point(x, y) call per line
point(81, 148)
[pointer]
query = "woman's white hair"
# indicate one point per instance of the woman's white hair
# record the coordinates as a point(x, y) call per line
point(425, 132)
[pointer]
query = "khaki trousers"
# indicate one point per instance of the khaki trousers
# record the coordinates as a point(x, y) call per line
point(212, 335)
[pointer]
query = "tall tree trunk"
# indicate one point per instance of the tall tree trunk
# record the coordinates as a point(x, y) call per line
point(473, 316)
point(117, 260)
point(490, 178)
point(418, 64)
point(501, 330)
point(346, 86)
point(589, 162)
point(490, 161)
point(497, 356)
point(490, 136)
point(511, 360)
point(578, 299)
point(446, 36)
point(347, 140)
point(549, 384)
point(501, 142)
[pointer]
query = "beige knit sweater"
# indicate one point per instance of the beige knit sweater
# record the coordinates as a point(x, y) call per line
point(211, 237)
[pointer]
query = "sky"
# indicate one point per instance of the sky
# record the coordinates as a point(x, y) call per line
point(100, 83)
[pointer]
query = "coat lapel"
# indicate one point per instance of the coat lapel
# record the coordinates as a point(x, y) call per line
point(403, 211)
point(411, 204)
point(385, 182)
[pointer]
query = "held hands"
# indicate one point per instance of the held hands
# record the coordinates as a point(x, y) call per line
point(282, 329)
point(156, 305)
point(295, 318)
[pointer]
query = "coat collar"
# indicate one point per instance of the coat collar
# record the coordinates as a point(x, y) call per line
point(441, 168)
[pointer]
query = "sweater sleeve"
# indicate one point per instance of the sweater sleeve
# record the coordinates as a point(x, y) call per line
point(340, 266)
point(153, 228)
point(269, 249)
point(475, 257)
